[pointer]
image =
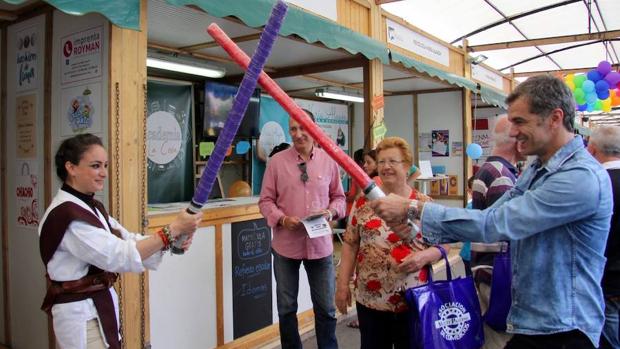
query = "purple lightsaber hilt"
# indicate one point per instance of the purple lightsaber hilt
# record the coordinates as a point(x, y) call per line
point(235, 116)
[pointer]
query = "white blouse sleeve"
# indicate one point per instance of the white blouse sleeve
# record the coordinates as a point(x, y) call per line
point(151, 263)
point(102, 249)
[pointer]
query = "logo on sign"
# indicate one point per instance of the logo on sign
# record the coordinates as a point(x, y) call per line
point(453, 321)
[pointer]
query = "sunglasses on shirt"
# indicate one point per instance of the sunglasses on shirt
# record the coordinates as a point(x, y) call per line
point(304, 173)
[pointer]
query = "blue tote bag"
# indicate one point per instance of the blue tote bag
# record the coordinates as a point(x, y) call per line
point(445, 314)
point(500, 299)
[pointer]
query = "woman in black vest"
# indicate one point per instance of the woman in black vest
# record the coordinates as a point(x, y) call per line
point(83, 249)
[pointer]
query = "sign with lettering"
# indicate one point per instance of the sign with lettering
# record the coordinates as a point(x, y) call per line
point(26, 130)
point(251, 276)
point(27, 54)
point(81, 55)
point(401, 36)
point(169, 142)
point(487, 76)
point(26, 194)
point(81, 106)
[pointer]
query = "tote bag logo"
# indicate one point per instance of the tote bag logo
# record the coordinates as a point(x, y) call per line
point(453, 321)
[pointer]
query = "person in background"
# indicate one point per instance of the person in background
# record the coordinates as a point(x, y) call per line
point(83, 249)
point(604, 145)
point(302, 181)
point(413, 174)
point(385, 263)
point(495, 176)
point(370, 165)
point(466, 248)
point(278, 148)
point(557, 232)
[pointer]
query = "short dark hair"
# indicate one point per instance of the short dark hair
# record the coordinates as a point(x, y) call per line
point(358, 156)
point(278, 148)
point(72, 149)
point(545, 93)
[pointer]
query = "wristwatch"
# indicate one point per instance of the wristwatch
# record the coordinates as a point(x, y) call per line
point(412, 211)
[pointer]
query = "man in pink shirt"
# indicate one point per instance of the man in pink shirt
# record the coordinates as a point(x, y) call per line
point(301, 181)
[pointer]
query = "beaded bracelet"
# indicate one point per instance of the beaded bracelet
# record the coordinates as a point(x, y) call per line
point(166, 231)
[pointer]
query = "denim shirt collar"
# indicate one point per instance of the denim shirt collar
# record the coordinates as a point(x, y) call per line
point(560, 156)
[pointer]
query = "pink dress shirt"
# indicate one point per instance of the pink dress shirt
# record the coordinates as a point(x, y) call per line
point(284, 194)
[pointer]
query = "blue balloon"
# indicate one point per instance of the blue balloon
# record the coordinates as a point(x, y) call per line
point(594, 75)
point(604, 94)
point(474, 151)
point(590, 107)
point(588, 86)
point(591, 97)
point(582, 107)
point(602, 85)
point(242, 147)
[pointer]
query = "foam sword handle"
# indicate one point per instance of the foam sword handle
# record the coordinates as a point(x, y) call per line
point(370, 189)
point(235, 116)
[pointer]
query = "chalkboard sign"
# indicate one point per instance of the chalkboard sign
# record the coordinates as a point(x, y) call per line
point(251, 276)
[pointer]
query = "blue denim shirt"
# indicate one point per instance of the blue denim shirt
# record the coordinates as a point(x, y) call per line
point(557, 219)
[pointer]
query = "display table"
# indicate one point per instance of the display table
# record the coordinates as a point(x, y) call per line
point(206, 295)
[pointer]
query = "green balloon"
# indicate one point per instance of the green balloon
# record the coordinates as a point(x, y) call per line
point(578, 93)
point(598, 105)
point(578, 80)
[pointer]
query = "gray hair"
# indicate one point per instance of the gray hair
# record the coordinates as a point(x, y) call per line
point(502, 138)
point(544, 93)
point(606, 138)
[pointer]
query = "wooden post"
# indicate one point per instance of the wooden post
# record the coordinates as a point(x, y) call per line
point(467, 124)
point(127, 165)
point(373, 83)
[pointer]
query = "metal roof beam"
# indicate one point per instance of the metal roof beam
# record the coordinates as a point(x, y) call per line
point(243, 38)
point(612, 34)
point(514, 17)
point(563, 71)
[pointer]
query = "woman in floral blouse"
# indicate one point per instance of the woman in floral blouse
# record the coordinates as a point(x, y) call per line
point(385, 264)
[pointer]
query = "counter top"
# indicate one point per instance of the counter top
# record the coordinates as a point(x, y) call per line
point(214, 212)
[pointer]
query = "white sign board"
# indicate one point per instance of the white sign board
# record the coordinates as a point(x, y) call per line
point(27, 53)
point(403, 37)
point(82, 55)
point(487, 76)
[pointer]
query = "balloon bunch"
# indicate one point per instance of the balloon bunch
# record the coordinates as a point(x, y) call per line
point(598, 90)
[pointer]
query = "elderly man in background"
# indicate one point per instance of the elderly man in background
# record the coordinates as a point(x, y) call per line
point(604, 145)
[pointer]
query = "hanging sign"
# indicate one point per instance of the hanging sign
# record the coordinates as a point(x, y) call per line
point(403, 37)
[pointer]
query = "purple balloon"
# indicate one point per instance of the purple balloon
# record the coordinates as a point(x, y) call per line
point(604, 68)
point(594, 75)
point(612, 78)
point(602, 94)
point(602, 85)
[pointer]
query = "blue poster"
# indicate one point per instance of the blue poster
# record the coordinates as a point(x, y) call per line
point(273, 125)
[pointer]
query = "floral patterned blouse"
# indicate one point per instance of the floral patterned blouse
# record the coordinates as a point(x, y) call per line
point(378, 282)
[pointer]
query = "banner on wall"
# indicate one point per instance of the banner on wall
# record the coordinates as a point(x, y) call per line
point(169, 143)
point(25, 122)
point(81, 55)
point(440, 143)
point(28, 41)
point(26, 194)
point(81, 106)
point(332, 118)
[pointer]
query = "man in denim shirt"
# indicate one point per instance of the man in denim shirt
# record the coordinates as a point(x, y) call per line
point(556, 217)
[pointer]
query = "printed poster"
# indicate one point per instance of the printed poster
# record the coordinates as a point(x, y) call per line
point(27, 55)
point(80, 107)
point(332, 118)
point(440, 140)
point(457, 148)
point(27, 192)
point(25, 121)
point(81, 56)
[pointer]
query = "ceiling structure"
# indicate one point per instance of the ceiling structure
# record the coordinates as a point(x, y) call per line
point(526, 37)
point(530, 36)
